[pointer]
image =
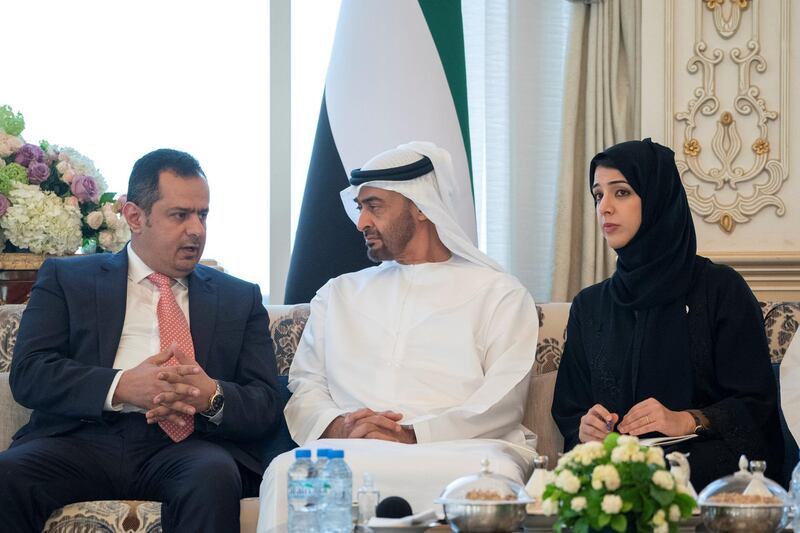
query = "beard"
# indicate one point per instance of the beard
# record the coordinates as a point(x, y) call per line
point(392, 240)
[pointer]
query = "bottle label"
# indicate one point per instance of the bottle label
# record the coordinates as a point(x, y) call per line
point(301, 490)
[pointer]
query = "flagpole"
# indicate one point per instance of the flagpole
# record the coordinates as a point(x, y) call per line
point(280, 153)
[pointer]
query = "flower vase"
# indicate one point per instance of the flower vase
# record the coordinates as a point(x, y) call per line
point(89, 246)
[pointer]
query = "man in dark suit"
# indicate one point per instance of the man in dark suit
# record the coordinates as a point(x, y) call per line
point(150, 377)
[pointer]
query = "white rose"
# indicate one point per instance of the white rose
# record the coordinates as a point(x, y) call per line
point(638, 456)
point(567, 458)
point(62, 167)
point(588, 452)
point(612, 504)
point(9, 144)
point(122, 234)
point(663, 479)
point(112, 220)
point(674, 513)
point(655, 456)
point(549, 507)
point(620, 454)
point(663, 528)
point(607, 474)
point(94, 219)
point(568, 482)
point(626, 440)
point(106, 239)
point(659, 518)
point(578, 504)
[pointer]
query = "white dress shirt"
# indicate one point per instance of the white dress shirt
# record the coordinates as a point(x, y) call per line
point(140, 337)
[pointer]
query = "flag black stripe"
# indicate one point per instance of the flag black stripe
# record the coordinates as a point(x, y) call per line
point(327, 243)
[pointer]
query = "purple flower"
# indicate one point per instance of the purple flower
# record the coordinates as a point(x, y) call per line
point(84, 188)
point(29, 153)
point(3, 204)
point(38, 172)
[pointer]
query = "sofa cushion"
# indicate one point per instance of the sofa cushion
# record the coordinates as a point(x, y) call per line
point(780, 322)
point(286, 323)
point(11, 419)
point(9, 324)
point(128, 516)
point(552, 336)
point(538, 419)
point(106, 516)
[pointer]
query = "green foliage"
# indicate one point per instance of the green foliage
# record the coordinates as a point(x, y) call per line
point(640, 497)
point(619, 523)
point(10, 122)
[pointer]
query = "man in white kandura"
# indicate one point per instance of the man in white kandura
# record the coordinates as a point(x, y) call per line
point(419, 367)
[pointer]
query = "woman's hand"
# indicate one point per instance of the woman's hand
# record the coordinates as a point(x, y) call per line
point(650, 416)
point(596, 424)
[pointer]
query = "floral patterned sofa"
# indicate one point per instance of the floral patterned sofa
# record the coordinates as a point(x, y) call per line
point(286, 326)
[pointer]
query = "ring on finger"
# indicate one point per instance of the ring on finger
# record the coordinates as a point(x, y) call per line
point(647, 419)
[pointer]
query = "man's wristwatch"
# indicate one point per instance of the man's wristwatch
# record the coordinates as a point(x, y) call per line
point(215, 402)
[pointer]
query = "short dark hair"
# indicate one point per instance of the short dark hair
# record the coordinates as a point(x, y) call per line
point(143, 183)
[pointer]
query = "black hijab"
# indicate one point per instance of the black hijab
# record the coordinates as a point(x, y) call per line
point(645, 332)
point(656, 266)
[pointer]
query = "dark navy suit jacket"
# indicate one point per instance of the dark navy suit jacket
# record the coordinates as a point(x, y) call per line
point(70, 330)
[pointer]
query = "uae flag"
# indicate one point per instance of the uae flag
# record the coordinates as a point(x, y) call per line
point(397, 74)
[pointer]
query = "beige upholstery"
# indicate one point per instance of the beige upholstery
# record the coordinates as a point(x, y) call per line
point(286, 327)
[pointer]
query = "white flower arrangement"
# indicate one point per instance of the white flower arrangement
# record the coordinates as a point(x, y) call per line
point(618, 484)
point(53, 200)
point(42, 221)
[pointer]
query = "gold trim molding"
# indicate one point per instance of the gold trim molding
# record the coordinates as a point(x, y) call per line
point(727, 24)
point(771, 276)
point(712, 183)
point(21, 261)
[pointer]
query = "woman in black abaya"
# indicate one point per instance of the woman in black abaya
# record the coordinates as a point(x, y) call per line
point(672, 343)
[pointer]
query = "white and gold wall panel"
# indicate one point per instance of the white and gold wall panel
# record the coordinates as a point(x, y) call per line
point(717, 83)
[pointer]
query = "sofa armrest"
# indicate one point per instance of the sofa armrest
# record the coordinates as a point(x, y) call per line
point(12, 415)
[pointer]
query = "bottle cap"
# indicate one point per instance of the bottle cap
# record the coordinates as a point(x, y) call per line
point(302, 454)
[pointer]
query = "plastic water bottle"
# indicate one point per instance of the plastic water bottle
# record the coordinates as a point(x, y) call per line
point(322, 487)
point(795, 492)
point(302, 494)
point(368, 497)
point(337, 514)
point(322, 459)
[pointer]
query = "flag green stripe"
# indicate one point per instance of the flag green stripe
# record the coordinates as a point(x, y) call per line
point(446, 27)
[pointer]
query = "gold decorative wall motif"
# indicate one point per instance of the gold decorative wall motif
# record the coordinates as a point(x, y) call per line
point(727, 24)
point(752, 186)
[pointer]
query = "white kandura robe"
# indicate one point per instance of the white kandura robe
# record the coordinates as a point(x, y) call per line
point(449, 345)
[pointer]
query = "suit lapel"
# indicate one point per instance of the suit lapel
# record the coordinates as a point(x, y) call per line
point(202, 313)
point(111, 290)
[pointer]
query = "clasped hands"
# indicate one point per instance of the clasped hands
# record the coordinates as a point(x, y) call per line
point(166, 392)
point(368, 424)
point(647, 416)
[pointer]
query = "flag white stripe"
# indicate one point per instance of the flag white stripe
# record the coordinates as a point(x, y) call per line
point(386, 86)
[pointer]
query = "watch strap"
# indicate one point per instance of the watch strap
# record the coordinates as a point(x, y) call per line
point(215, 402)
